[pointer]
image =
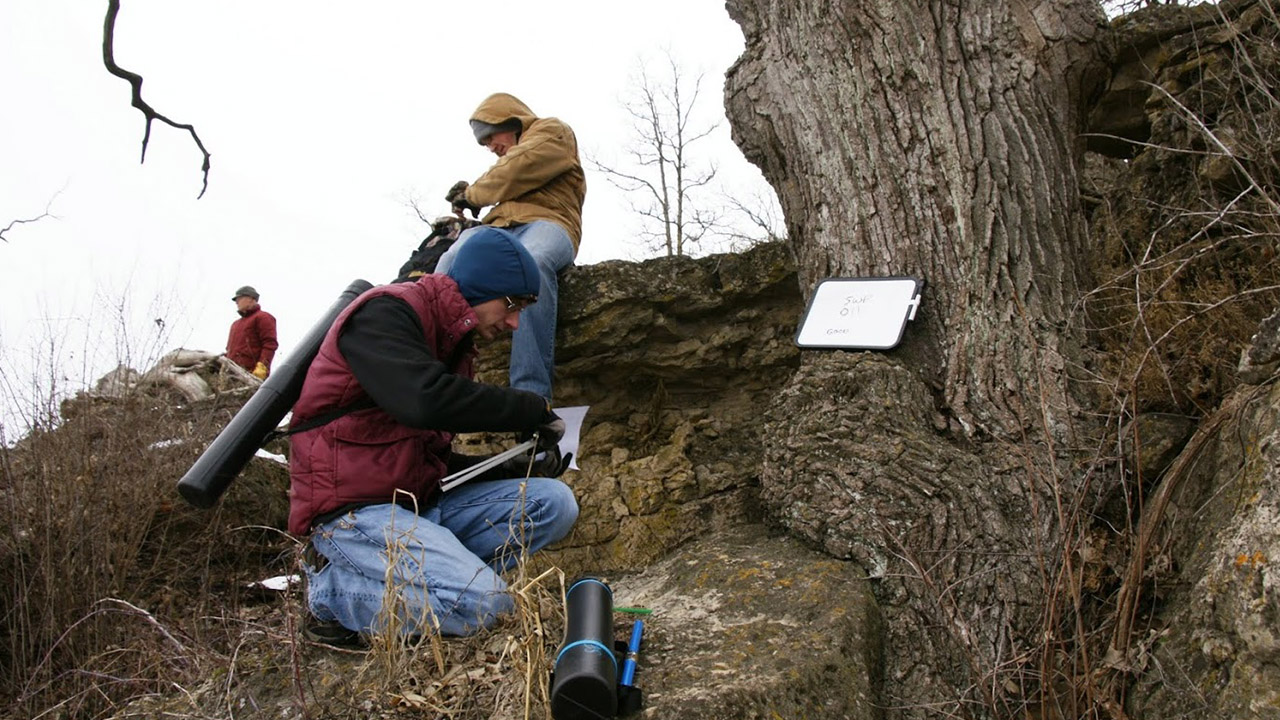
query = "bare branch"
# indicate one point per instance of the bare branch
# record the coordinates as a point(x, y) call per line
point(762, 213)
point(135, 81)
point(625, 181)
point(11, 225)
point(414, 203)
point(1222, 148)
point(41, 216)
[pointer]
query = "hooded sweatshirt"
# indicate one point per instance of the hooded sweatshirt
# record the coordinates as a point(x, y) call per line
point(540, 177)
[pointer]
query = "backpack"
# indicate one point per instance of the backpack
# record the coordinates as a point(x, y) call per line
point(444, 232)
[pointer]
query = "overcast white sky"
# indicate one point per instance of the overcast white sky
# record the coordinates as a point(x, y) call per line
point(321, 117)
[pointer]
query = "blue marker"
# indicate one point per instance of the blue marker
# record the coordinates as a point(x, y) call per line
point(633, 654)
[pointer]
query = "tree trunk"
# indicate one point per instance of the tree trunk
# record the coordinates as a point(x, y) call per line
point(937, 139)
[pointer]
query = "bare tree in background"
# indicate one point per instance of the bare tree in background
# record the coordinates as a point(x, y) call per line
point(411, 201)
point(664, 172)
point(762, 216)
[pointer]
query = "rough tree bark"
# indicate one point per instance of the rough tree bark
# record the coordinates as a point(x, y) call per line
point(934, 138)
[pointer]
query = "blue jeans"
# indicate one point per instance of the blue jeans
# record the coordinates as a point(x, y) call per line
point(443, 564)
point(533, 356)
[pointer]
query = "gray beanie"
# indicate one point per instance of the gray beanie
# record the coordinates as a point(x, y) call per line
point(484, 130)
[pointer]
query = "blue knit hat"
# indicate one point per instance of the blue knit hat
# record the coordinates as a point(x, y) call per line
point(491, 264)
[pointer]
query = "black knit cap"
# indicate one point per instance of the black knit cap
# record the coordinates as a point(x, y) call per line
point(483, 130)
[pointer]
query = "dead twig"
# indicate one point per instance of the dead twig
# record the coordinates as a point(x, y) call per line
point(135, 81)
point(23, 221)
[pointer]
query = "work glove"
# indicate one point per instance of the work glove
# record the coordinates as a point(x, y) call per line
point(548, 464)
point(549, 432)
point(260, 371)
point(459, 189)
point(457, 198)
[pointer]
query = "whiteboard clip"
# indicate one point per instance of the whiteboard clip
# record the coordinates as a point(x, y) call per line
point(914, 304)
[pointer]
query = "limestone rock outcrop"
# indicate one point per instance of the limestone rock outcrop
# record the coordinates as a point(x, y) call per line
point(750, 624)
point(1214, 650)
point(676, 358)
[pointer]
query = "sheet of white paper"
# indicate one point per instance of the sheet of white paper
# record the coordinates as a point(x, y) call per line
point(272, 456)
point(279, 582)
point(573, 417)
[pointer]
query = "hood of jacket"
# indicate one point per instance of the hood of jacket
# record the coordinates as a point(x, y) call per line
point(539, 178)
point(498, 108)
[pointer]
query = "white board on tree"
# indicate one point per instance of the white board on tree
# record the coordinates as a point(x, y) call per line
point(859, 313)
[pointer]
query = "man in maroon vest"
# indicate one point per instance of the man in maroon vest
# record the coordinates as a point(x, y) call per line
point(391, 384)
point(252, 344)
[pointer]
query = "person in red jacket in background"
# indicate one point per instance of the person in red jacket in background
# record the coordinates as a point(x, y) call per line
point(252, 341)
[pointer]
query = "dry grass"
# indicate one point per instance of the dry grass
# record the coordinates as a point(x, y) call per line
point(122, 603)
point(1189, 270)
point(97, 557)
point(500, 673)
point(119, 601)
point(1189, 264)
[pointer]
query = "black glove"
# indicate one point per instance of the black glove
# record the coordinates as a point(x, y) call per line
point(549, 432)
point(548, 464)
point(457, 198)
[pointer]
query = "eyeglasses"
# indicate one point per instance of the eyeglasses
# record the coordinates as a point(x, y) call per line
point(520, 302)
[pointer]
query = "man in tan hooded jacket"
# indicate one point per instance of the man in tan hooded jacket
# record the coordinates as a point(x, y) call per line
point(536, 188)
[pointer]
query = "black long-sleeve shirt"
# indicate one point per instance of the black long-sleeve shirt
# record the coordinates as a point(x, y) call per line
point(383, 343)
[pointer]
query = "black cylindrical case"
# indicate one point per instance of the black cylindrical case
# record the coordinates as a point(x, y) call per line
point(586, 670)
point(227, 455)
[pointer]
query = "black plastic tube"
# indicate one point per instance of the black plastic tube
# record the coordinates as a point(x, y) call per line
point(227, 455)
point(586, 670)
